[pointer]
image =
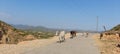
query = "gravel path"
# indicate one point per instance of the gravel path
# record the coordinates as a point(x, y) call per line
point(78, 45)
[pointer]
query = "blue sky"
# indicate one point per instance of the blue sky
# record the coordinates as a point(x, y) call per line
point(67, 14)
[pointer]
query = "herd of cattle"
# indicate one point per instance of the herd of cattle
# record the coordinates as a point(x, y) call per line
point(61, 35)
point(103, 35)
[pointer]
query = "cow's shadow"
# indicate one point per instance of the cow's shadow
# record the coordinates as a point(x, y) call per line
point(60, 41)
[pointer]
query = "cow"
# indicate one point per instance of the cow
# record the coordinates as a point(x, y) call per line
point(62, 36)
point(73, 34)
point(101, 35)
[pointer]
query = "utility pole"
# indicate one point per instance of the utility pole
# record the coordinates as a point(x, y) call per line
point(97, 25)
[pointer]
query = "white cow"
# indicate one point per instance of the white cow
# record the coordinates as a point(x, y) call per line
point(57, 33)
point(62, 36)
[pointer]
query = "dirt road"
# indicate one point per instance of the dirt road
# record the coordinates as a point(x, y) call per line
point(78, 45)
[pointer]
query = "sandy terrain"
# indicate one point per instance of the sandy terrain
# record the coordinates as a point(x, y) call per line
point(26, 45)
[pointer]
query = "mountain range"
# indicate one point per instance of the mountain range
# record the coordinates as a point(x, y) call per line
point(34, 28)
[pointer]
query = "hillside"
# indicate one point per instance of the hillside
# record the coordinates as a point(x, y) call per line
point(116, 28)
point(11, 35)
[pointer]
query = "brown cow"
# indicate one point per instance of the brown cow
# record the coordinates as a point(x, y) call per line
point(73, 34)
point(101, 35)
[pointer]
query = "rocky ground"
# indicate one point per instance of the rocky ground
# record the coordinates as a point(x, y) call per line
point(107, 45)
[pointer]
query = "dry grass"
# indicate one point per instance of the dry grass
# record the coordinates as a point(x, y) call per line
point(107, 45)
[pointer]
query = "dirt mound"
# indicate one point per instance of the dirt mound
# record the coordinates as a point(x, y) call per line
point(108, 44)
point(29, 37)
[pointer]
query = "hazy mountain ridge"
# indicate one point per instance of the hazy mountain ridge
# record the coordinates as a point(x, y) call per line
point(45, 29)
point(34, 28)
